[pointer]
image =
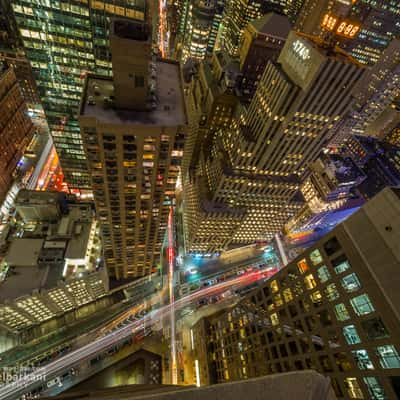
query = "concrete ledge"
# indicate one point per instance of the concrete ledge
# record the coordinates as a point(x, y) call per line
point(299, 385)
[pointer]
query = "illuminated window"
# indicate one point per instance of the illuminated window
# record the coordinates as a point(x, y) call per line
point(309, 281)
point(298, 289)
point(362, 305)
point(287, 295)
point(351, 335)
point(302, 266)
point(323, 274)
point(341, 312)
point(362, 359)
point(388, 356)
point(353, 388)
point(315, 257)
point(331, 292)
point(375, 389)
point(341, 267)
point(351, 283)
point(274, 286)
point(274, 319)
point(316, 298)
point(278, 300)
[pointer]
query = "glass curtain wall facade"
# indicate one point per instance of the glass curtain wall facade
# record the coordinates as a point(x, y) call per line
point(63, 41)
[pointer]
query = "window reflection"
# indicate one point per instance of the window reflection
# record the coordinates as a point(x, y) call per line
point(350, 334)
point(362, 304)
point(362, 359)
point(351, 283)
point(388, 356)
point(323, 274)
point(316, 257)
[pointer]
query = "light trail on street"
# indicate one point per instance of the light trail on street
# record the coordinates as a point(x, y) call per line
point(171, 258)
point(27, 383)
point(162, 26)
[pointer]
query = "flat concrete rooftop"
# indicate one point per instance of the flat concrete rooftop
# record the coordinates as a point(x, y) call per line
point(23, 280)
point(299, 385)
point(170, 110)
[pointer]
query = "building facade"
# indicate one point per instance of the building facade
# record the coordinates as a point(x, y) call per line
point(379, 161)
point(375, 110)
point(53, 266)
point(363, 28)
point(16, 129)
point(202, 24)
point(262, 41)
point(334, 309)
point(134, 149)
point(259, 163)
point(237, 14)
point(64, 41)
point(212, 98)
point(23, 73)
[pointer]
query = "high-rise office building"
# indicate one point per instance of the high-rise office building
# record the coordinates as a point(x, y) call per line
point(237, 14)
point(211, 99)
point(133, 130)
point(379, 160)
point(374, 110)
point(362, 28)
point(257, 164)
point(9, 35)
point(262, 41)
point(334, 309)
point(202, 25)
point(23, 73)
point(16, 129)
point(64, 41)
point(393, 136)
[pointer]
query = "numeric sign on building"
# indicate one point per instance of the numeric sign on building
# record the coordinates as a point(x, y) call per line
point(339, 26)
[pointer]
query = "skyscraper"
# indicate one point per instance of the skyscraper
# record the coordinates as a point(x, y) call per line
point(257, 164)
point(334, 309)
point(362, 28)
point(375, 94)
point(202, 24)
point(212, 99)
point(23, 73)
point(262, 41)
point(237, 14)
point(16, 129)
point(64, 41)
point(133, 130)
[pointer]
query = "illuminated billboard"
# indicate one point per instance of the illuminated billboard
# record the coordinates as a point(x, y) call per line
point(340, 26)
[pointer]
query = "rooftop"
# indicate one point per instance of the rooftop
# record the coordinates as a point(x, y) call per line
point(272, 24)
point(24, 252)
point(327, 50)
point(77, 245)
point(133, 30)
point(36, 261)
point(306, 384)
point(169, 111)
point(24, 278)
